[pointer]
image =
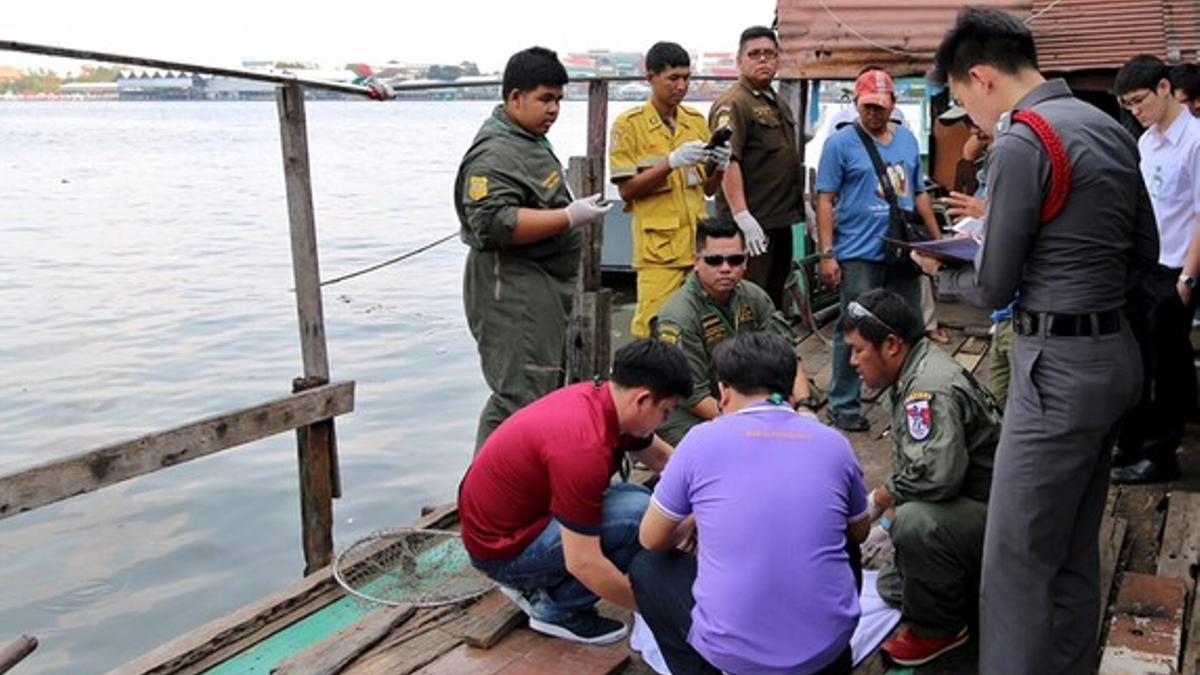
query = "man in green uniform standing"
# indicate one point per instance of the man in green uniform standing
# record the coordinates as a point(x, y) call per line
point(934, 505)
point(763, 189)
point(714, 304)
point(521, 223)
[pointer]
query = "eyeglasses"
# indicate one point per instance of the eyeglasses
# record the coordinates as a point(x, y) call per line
point(762, 54)
point(735, 260)
point(1134, 101)
point(857, 311)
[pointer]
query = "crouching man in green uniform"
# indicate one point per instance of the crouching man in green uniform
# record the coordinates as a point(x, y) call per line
point(714, 304)
point(521, 223)
point(945, 427)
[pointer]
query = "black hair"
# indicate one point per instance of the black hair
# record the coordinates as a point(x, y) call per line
point(756, 362)
point(717, 228)
point(1141, 72)
point(755, 32)
point(983, 36)
point(655, 365)
point(1185, 77)
point(892, 316)
point(529, 68)
point(663, 55)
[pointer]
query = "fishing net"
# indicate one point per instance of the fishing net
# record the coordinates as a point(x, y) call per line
point(424, 568)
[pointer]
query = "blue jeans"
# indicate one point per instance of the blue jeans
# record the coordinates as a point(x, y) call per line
point(858, 277)
point(540, 571)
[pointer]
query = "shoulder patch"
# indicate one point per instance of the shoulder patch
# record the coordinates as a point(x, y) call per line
point(723, 117)
point(920, 419)
point(551, 179)
point(477, 188)
point(918, 396)
point(668, 333)
point(745, 314)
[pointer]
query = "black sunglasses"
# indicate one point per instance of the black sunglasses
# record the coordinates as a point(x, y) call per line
point(735, 260)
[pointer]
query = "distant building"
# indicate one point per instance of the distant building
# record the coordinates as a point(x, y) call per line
point(236, 89)
point(159, 86)
point(90, 90)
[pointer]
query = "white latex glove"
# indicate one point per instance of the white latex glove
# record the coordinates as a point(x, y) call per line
point(720, 156)
point(756, 240)
point(586, 210)
point(692, 152)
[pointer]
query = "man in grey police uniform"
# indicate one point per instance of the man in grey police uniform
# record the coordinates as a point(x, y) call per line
point(1076, 369)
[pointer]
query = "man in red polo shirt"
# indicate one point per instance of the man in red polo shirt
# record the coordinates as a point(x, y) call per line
point(540, 514)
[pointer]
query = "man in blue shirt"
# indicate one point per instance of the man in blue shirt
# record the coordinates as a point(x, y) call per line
point(853, 216)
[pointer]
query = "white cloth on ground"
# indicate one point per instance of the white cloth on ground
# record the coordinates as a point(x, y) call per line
point(877, 622)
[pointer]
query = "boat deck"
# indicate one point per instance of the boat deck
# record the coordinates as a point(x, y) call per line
point(1150, 543)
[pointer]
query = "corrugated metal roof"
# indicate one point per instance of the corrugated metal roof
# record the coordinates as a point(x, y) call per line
point(836, 38)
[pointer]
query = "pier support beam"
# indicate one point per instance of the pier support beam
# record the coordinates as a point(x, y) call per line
point(319, 481)
point(590, 331)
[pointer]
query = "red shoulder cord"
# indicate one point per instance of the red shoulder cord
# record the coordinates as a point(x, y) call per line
point(1060, 164)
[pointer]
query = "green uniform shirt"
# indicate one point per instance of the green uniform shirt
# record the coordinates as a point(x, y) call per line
point(505, 169)
point(695, 323)
point(764, 145)
point(945, 427)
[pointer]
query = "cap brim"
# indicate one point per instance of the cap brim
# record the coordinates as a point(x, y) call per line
point(881, 99)
point(954, 114)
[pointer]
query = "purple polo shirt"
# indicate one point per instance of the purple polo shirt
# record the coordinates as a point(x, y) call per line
point(772, 492)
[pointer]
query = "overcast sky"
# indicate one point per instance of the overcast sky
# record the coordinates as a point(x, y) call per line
point(223, 32)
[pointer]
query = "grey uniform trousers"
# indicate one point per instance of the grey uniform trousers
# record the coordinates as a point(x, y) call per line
point(1039, 598)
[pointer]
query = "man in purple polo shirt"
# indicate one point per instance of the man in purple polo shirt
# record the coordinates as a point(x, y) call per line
point(773, 496)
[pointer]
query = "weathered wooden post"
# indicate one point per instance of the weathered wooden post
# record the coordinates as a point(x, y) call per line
point(315, 443)
point(588, 337)
point(598, 122)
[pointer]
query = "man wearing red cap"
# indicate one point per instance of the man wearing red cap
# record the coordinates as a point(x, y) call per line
point(853, 216)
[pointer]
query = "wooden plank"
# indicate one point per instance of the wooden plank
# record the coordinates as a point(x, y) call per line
point(1112, 540)
point(409, 651)
point(319, 478)
point(558, 656)
point(467, 660)
point(89, 471)
point(1147, 627)
point(330, 655)
point(208, 645)
point(16, 651)
point(1190, 661)
point(1143, 507)
point(489, 620)
point(589, 333)
point(1179, 554)
point(968, 361)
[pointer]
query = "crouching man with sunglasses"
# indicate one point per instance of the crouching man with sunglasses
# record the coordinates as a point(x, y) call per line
point(945, 427)
point(714, 304)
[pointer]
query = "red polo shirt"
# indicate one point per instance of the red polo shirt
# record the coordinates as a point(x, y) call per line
point(553, 458)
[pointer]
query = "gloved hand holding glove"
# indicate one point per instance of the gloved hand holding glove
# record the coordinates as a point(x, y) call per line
point(692, 152)
point(586, 210)
point(756, 239)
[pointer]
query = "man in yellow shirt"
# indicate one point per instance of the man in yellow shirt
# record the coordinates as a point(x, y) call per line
point(661, 166)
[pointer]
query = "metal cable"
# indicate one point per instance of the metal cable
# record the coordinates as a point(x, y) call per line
point(391, 261)
point(1034, 17)
point(862, 37)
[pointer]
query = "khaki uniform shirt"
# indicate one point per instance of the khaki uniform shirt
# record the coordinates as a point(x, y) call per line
point(945, 427)
point(664, 221)
point(764, 145)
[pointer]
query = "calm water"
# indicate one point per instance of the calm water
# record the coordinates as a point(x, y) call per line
point(144, 276)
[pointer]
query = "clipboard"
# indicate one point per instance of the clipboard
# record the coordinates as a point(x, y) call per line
point(955, 250)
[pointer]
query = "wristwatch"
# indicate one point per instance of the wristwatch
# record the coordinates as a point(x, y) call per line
point(1188, 280)
point(827, 253)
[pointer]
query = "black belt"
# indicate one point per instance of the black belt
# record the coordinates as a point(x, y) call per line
point(1066, 325)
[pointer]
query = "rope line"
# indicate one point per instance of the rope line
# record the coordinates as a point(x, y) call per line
point(390, 261)
point(1047, 8)
point(860, 36)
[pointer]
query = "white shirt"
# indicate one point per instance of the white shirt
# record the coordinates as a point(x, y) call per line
point(1171, 168)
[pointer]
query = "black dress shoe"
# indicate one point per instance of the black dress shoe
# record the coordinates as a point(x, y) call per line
point(849, 422)
point(1145, 472)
